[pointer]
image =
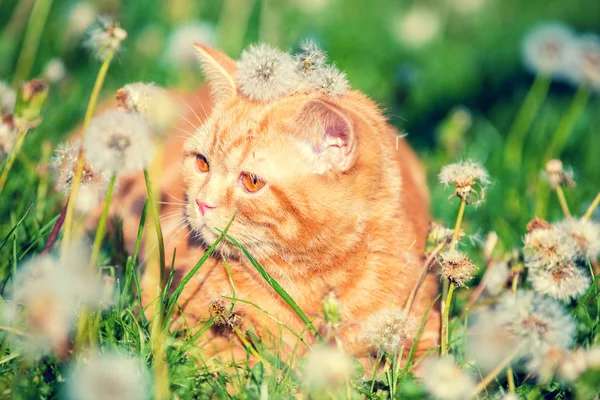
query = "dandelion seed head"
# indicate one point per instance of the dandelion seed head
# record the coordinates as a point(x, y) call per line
point(564, 364)
point(8, 97)
point(417, 27)
point(563, 282)
point(444, 380)
point(586, 234)
point(118, 142)
point(311, 57)
point(456, 267)
point(557, 175)
point(109, 377)
point(497, 278)
point(81, 16)
point(104, 40)
point(327, 367)
point(265, 73)
point(585, 61)
point(438, 233)
point(152, 103)
point(546, 49)
point(331, 81)
point(546, 248)
point(180, 45)
point(55, 70)
point(388, 329)
point(464, 175)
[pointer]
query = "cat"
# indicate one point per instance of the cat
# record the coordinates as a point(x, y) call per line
point(324, 194)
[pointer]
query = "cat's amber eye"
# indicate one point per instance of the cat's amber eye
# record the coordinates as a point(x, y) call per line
point(251, 182)
point(202, 163)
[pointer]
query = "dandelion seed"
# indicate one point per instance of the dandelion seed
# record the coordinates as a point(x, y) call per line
point(556, 175)
point(585, 61)
point(586, 234)
point(105, 39)
point(109, 377)
point(8, 98)
point(55, 70)
point(444, 380)
point(497, 277)
point(8, 136)
point(265, 73)
point(118, 142)
point(152, 103)
point(327, 367)
point(547, 248)
point(547, 48)
point(563, 282)
point(331, 81)
point(416, 28)
point(388, 329)
point(456, 267)
point(464, 175)
point(180, 45)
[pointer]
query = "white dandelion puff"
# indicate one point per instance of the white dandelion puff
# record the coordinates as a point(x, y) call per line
point(497, 277)
point(327, 367)
point(417, 27)
point(104, 40)
point(557, 175)
point(55, 70)
point(456, 267)
point(388, 329)
point(8, 98)
point(464, 175)
point(331, 81)
point(80, 17)
point(110, 376)
point(310, 57)
point(444, 380)
point(180, 44)
point(118, 142)
point(93, 183)
point(265, 73)
point(563, 282)
point(152, 103)
point(585, 61)
point(586, 234)
point(546, 248)
point(547, 48)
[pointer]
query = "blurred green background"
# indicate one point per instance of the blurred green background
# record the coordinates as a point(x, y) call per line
point(449, 73)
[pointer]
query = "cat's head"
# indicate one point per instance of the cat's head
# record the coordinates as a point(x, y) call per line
point(295, 164)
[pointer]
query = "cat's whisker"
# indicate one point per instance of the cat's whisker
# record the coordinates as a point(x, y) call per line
point(180, 203)
point(175, 198)
point(192, 110)
point(189, 134)
point(201, 105)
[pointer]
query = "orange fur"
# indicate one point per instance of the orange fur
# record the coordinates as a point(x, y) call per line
point(351, 217)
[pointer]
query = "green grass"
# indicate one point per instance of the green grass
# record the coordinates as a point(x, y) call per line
point(473, 63)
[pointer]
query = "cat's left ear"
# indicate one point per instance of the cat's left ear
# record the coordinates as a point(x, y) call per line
point(219, 70)
point(329, 132)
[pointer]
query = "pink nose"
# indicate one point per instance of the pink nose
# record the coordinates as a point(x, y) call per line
point(203, 206)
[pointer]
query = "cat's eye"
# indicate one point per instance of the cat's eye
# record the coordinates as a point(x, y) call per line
point(251, 182)
point(202, 163)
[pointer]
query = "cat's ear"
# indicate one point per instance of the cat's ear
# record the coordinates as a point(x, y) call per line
point(330, 133)
point(219, 70)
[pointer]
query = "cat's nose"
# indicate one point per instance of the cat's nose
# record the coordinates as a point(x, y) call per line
point(203, 206)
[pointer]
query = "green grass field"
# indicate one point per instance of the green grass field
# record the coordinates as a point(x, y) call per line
point(450, 74)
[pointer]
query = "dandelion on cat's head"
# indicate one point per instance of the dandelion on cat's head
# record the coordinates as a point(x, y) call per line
point(562, 281)
point(556, 175)
point(265, 73)
point(104, 40)
point(8, 97)
point(118, 142)
point(456, 267)
point(388, 329)
point(108, 376)
point(311, 57)
point(498, 275)
point(55, 70)
point(464, 175)
point(327, 367)
point(585, 68)
point(547, 48)
point(180, 51)
point(586, 233)
point(45, 297)
point(444, 380)
point(93, 184)
point(152, 103)
point(331, 81)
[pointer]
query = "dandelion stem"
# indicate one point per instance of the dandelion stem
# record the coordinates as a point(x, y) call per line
point(157, 227)
point(592, 207)
point(249, 346)
point(496, 371)
point(513, 152)
point(457, 226)
point(563, 201)
point(12, 157)
point(102, 223)
point(55, 229)
point(424, 271)
point(35, 28)
point(511, 379)
point(445, 334)
point(80, 160)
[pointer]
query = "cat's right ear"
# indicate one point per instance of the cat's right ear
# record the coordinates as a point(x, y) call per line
point(219, 70)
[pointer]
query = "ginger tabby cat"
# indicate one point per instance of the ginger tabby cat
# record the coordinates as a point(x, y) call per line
point(326, 198)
